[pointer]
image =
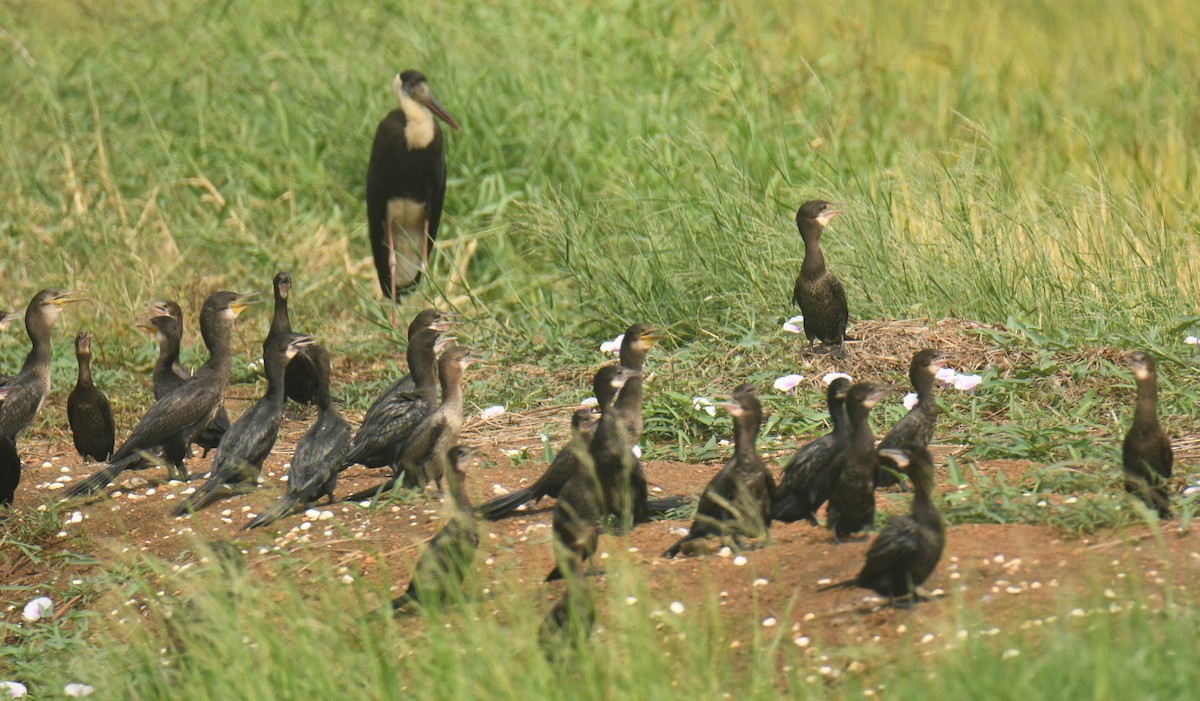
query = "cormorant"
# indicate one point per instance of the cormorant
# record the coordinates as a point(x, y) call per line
point(637, 342)
point(406, 184)
point(88, 412)
point(187, 409)
point(249, 440)
point(564, 466)
point(737, 501)
point(423, 458)
point(618, 470)
point(300, 378)
point(441, 569)
point(319, 451)
point(820, 296)
point(580, 509)
point(908, 548)
point(809, 476)
point(429, 318)
point(1146, 454)
point(916, 428)
point(169, 373)
point(852, 501)
point(389, 421)
point(26, 391)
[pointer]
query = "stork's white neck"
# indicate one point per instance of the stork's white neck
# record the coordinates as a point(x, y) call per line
point(419, 127)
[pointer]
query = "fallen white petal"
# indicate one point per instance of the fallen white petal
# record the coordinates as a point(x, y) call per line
point(77, 689)
point(492, 412)
point(788, 382)
point(38, 609)
point(637, 451)
point(590, 402)
point(14, 690)
point(910, 400)
point(830, 377)
point(793, 325)
point(946, 375)
point(613, 346)
point(677, 607)
point(965, 383)
point(1192, 341)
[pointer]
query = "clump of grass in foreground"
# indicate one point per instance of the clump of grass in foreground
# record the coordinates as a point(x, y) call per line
point(220, 633)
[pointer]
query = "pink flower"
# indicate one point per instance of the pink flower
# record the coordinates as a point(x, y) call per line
point(788, 383)
point(613, 346)
point(946, 375)
point(793, 325)
point(966, 383)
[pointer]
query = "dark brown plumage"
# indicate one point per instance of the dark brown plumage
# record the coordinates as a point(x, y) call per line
point(1146, 453)
point(908, 548)
point(737, 501)
point(441, 569)
point(809, 476)
point(406, 184)
point(561, 469)
point(852, 501)
point(819, 294)
point(915, 429)
point(169, 373)
point(89, 413)
point(300, 378)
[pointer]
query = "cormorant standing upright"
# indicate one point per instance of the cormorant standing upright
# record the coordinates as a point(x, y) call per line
point(249, 440)
point(1146, 454)
point(187, 409)
point(636, 343)
point(170, 339)
point(300, 378)
point(393, 416)
point(852, 501)
point(908, 548)
point(819, 294)
point(406, 184)
point(422, 460)
point(737, 501)
point(88, 412)
point(580, 509)
point(313, 473)
point(441, 569)
point(915, 429)
point(809, 476)
point(26, 391)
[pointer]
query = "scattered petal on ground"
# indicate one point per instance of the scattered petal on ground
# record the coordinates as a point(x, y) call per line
point(703, 404)
point(492, 412)
point(613, 346)
point(77, 689)
point(13, 690)
point(910, 400)
point(830, 377)
point(946, 375)
point(965, 383)
point(793, 325)
point(590, 402)
point(787, 383)
point(37, 609)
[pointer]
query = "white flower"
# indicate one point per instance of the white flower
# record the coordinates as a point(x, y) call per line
point(491, 412)
point(37, 609)
point(1192, 341)
point(793, 325)
point(702, 404)
point(965, 383)
point(637, 451)
point(613, 346)
point(677, 607)
point(830, 377)
point(590, 402)
point(14, 690)
point(910, 400)
point(787, 383)
point(946, 375)
point(77, 689)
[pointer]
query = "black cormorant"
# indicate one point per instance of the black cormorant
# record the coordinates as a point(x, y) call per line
point(819, 294)
point(300, 378)
point(88, 412)
point(809, 476)
point(852, 501)
point(1146, 454)
point(916, 427)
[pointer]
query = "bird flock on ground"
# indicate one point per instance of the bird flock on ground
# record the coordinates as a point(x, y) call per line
point(597, 479)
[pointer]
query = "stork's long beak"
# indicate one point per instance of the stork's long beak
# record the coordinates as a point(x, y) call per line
point(436, 107)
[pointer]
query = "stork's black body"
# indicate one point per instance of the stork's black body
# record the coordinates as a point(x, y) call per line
point(320, 450)
point(423, 458)
point(1147, 456)
point(852, 501)
point(89, 413)
point(809, 476)
point(818, 293)
point(169, 373)
point(580, 509)
point(186, 410)
point(908, 548)
point(389, 421)
point(441, 569)
point(25, 392)
point(737, 501)
point(249, 440)
point(915, 429)
point(406, 184)
point(300, 378)
point(556, 476)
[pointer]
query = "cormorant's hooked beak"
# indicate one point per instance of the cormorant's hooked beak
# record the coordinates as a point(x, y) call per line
point(8, 317)
point(83, 342)
point(302, 341)
point(653, 335)
point(158, 308)
point(64, 298)
point(874, 396)
point(444, 323)
point(242, 301)
point(728, 403)
point(898, 457)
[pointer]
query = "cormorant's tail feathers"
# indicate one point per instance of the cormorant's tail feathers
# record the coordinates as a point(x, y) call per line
point(504, 505)
point(100, 479)
point(276, 511)
point(844, 584)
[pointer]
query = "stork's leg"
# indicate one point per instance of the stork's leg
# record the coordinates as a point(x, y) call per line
point(392, 268)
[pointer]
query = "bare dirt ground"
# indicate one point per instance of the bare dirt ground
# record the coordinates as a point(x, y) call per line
point(1011, 575)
